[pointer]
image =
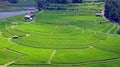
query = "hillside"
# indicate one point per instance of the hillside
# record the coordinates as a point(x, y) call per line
point(21, 5)
point(74, 37)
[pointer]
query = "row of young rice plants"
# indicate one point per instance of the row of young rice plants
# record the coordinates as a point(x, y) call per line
point(4, 42)
point(40, 66)
point(4, 30)
point(11, 29)
point(34, 28)
point(63, 29)
point(53, 40)
point(6, 56)
point(56, 30)
point(101, 36)
point(108, 28)
point(95, 25)
point(32, 55)
point(52, 19)
point(114, 30)
point(107, 64)
point(82, 55)
point(110, 44)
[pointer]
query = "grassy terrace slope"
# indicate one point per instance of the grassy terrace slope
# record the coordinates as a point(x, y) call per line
point(60, 38)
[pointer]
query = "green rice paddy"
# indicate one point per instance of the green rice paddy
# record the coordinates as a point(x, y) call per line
point(60, 38)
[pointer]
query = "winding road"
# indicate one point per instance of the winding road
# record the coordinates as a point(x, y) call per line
point(4, 15)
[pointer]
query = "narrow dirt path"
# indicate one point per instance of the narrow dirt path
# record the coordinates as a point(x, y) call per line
point(53, 29)
point(92, 35)
point(105, 27)
point(78, 28)
point(117, 30)
point(49, 61)
point(9, 63)
point(111, 29)
point(12, 51)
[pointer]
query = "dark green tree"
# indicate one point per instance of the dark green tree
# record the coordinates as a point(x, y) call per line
point(59, 1)
point(101, 0)
point(112, 10)
point(81, 1)
point(77, 1)
point(41, 3)
point(13, 1)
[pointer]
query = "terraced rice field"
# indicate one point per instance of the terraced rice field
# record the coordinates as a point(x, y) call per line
point(60, 38)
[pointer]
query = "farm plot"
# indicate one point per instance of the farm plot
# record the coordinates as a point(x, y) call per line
point(61, 38)
point(58, 38)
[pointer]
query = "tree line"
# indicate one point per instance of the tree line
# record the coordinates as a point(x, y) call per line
point(10, 1)
point(112, 10)
point(41, 3)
